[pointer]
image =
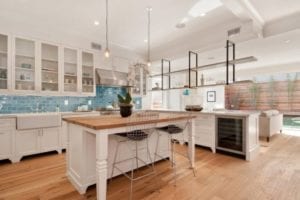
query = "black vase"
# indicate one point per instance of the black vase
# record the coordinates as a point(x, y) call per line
point(126, 110)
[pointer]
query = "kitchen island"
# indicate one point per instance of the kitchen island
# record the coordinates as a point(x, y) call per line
point(218, 130)
point(91, 146)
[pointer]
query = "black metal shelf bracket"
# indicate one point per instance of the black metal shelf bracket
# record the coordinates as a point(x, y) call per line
point(190, 67)
point(162, 72)
point(228, 45)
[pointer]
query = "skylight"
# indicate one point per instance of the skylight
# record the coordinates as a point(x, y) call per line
point(204, 6)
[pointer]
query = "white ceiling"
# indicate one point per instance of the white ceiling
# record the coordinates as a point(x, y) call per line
point(128, 22)
point(274, 9)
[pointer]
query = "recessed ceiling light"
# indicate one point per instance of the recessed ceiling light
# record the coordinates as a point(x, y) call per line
point(204, 6)
point(203, 14)
point(145, 40)
point(180, 25)
point(96, 23)
point(184, 20)
point(287, 41)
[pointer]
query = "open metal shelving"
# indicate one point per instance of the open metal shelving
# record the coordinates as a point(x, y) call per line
point(194, 70)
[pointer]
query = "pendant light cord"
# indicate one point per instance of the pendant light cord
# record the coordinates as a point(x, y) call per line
point(106, 18)
point(149, 22)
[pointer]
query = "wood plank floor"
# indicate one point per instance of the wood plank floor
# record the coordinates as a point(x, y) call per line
point(275, 174)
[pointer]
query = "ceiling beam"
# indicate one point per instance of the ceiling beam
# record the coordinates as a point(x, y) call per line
point(244, 10)
point(282, 25)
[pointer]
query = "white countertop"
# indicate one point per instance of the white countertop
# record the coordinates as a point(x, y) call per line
point(15, 115)
point(220, 112)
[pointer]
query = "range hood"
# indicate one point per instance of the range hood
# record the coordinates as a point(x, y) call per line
point(111, 78)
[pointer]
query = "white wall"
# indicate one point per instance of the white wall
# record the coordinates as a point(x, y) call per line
point(220, 97)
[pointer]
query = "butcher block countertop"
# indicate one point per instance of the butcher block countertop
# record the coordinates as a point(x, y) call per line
point(116, 121)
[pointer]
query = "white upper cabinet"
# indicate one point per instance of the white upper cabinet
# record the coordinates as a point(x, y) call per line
point(88, 72)
point(4, 69)
point(70, 70)
point(24, 65)
point(36, 67)
point(49, 68)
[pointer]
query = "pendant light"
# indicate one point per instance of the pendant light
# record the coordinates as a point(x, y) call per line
point(107, 52)
point(149, 9)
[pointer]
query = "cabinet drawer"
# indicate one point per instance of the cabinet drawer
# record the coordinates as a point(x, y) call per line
point(205, 120)
point(7, 124)
point(204, 140)
point(205, 132)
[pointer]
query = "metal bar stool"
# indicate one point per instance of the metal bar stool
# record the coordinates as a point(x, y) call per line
point(173, 130)
point(136, 133)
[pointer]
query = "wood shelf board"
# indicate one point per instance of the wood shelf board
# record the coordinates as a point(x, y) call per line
point(51, 72)
point(54, 83)
point(25, 56)
point(25, 69)
point(49, 60)
point(70, 63)
point(25, 81)
point(70, 75)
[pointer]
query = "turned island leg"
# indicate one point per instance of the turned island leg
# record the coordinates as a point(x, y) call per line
point(101, 165)
point(192, 142)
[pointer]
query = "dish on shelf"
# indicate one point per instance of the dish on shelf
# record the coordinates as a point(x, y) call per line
point(48, 69)
point(70, 74)
point(26, 66)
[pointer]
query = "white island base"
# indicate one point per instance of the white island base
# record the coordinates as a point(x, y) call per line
point(82, 164)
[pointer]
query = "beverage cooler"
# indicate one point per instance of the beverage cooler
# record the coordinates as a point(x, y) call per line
point(231, 134)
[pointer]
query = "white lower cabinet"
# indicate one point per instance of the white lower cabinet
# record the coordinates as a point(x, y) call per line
point(15, 144)
point(205, 131)
point(6, 148)
point(29, 142)
point(50, 138)
point(7, 131)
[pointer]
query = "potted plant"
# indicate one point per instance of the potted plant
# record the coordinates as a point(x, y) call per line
point(125, 105)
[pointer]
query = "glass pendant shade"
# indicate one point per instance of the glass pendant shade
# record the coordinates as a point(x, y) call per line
point(107, 53)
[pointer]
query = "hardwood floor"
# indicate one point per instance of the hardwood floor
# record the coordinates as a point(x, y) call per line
point(275, 174)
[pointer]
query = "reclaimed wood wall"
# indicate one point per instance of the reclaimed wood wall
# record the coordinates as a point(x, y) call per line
point(279, 95)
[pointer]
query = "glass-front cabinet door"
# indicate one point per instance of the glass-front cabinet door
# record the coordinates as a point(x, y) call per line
point(49, 68)
point(3, 62)
point(87, 72)
point(24, 64)
point(70, 70)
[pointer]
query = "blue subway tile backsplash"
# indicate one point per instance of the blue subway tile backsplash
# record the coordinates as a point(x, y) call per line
point(23, 104)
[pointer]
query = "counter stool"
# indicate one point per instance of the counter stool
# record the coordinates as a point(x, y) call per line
point(136, 134)
point(173, 130)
